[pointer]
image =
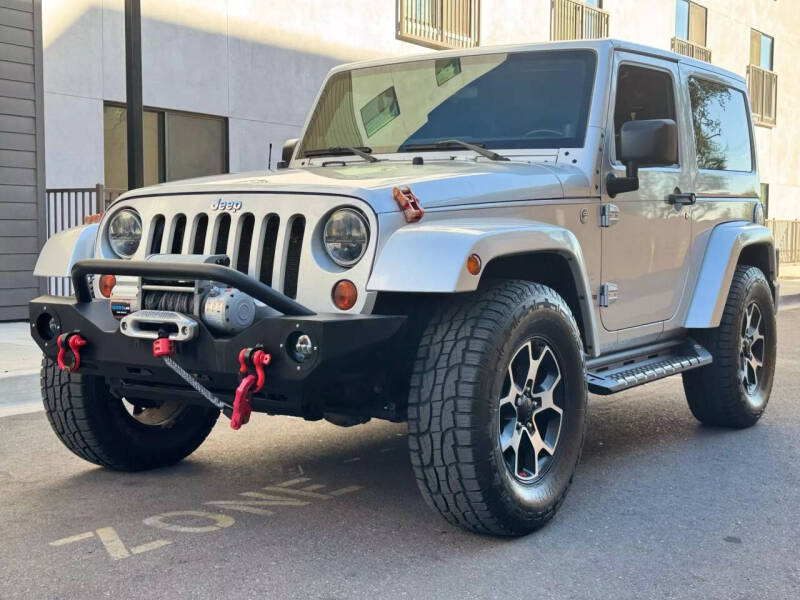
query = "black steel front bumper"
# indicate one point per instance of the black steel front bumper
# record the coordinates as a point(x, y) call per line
point(344, 343)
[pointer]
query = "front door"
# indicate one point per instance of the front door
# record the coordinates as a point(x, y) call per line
point(645, 249)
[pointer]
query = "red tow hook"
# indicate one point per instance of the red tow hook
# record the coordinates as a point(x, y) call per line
point(69, 351)
point(251, 368)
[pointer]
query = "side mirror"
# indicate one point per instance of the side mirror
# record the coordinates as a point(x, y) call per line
point(286, 153)
point(652, 142)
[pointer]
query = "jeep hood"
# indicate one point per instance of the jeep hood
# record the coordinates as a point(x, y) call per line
point(438, 183)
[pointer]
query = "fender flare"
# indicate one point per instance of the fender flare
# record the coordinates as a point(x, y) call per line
point(719, 263)
point(432, 257)
point(64, 249)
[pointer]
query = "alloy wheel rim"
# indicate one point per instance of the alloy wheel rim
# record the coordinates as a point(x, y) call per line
point(530, 415)
point(751, 349)
point(157, 416)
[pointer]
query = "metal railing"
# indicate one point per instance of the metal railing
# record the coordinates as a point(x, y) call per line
point(691, 50)
point(787, 238)
point(439, 23)
point(576, 20)
point(763, 87)
point(67, 208)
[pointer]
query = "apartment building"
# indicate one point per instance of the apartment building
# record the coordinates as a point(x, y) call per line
point(224, 79)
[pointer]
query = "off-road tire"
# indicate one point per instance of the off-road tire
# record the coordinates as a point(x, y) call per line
point(715, 393)
point(453, 414)
point(96, 426)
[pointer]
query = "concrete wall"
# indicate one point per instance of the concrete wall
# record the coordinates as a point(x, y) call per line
point(258, 63)
point(261, 63)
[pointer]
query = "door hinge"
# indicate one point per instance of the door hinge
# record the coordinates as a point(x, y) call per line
point(609, 215)
point(609, 292)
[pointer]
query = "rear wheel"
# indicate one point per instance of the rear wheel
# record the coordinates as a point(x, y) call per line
point(734, 389)
point(497, 408)
point(114, 433)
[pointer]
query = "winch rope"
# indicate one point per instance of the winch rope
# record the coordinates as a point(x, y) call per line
point(199, 387)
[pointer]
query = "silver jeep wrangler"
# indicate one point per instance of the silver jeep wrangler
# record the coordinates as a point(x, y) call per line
point(470, 241)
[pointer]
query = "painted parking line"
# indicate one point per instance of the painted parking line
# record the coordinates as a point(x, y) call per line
point(217, 521)
point(112, 542)
point(263, 502)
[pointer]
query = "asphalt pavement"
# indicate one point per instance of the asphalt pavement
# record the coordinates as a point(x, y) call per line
point(661, 507)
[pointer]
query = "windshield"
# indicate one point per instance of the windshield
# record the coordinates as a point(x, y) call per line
point(511, 100)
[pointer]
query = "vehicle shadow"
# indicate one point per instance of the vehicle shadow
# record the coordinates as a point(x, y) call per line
point(375, 456)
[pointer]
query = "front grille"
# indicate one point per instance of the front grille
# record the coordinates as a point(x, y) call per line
point(200, 230)
point(177, 234)
point(293, 256)
point(245, 240)
point(223, 229)
point(268, 248)
point(158, 234)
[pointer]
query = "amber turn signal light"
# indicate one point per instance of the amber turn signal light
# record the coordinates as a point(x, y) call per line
point(344, 294)
point(95, 218)
point(107, 283)
point(474, 264)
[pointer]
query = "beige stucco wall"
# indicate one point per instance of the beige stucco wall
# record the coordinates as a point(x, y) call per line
point(261, 63)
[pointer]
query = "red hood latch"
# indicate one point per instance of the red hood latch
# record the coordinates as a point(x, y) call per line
point(407, 201)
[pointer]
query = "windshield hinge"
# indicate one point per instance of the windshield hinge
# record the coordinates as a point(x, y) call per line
point(609, 292)
point(609, 215)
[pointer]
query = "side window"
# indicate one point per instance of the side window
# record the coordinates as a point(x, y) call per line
point(642, 93)
point(721, 127)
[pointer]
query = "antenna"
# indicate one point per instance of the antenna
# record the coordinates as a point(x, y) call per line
point(269, 158)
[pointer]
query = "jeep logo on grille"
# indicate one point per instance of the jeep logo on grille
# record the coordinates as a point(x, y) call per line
point(229, 205)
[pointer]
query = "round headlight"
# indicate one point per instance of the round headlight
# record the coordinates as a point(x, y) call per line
point(346, 235)
point(124, 233)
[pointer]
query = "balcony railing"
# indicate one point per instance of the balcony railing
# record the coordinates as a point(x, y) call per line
point(787, 238)
point(576, 20)
point(763, 86)
point(687, 48)
point(439, 23)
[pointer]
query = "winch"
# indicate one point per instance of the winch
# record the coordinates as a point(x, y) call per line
point(223, 309)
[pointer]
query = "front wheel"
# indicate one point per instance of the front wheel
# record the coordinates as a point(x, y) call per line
point(497, 408)
point(734, 389)
point(117, 434)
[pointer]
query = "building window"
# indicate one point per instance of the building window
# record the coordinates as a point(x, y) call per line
point(578, 20)
point(439, 23)
point(765, 199)
point(177, 145)
point(691, 30)
point(762, 82)
point(761, 49)
point(721, 127)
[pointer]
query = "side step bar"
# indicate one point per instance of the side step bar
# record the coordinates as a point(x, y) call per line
point(629, 368)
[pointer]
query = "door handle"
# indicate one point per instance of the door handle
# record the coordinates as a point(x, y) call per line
point(680, 199)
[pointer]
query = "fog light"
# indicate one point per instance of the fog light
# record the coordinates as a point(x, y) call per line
point(304, 347)
point(300, 347)
point(47, 327)
point(107, 283)
point(344, 294)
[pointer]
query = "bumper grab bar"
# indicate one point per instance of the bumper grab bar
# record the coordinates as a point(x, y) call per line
point(167, 270)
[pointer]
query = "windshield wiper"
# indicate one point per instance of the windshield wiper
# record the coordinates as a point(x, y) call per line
point(444, 144)
point(362, 151)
